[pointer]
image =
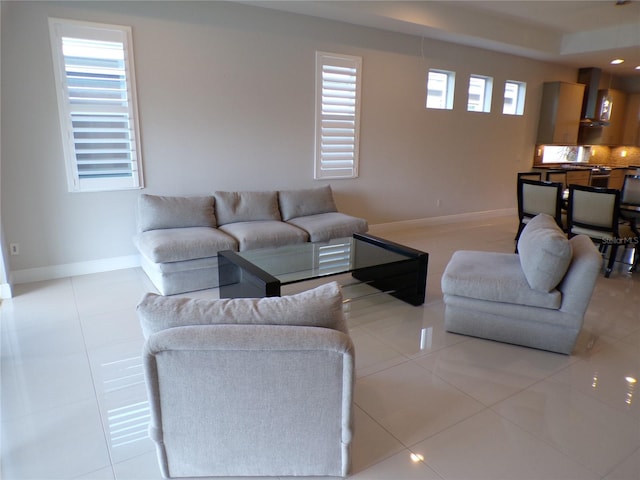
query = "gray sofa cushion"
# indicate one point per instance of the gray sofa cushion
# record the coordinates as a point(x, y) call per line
point(545, 253)
point(325, 226)
point(179, 244)
point(309, 201)
point(319, 307)
point(263, 234)
point(156, 212)
point(234, 207)
point(495, 277)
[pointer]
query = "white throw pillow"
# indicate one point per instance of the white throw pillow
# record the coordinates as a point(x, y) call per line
point(318, 307)
point(545, 253)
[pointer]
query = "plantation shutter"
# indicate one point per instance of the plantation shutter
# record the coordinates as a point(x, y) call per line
point(97, 106)
point(337, 115)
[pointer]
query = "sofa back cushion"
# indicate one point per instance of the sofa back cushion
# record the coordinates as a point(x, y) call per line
point(232, 207)
point(319, 307)
point(545, 253)
point(157, 212)
point(310, 201)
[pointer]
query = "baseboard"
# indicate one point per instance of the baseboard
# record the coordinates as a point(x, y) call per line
point(430, 221)
point(52, 272)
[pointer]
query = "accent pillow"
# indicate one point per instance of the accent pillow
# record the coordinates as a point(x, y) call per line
point(156, 212)
point(319, 307)
point(234, 207)
point(310, 201)
point(545, 253)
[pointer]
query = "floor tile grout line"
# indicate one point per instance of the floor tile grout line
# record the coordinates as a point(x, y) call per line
point(101, 413)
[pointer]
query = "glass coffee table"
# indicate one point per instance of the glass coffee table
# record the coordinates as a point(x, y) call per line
point(392, 268)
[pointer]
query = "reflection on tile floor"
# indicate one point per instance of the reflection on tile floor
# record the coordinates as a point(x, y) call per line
point(429, 404)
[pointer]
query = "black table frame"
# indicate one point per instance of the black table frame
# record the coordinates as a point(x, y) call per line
point(405, 279)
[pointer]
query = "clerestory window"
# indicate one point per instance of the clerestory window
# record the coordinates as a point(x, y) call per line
point(440, 89)
point(514, 97)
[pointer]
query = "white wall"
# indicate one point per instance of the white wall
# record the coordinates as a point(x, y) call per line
point(5, 285)
point(226, 102)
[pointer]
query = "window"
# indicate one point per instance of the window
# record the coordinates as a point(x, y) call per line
point(440, 86)
point(514, 95)
point(480, 89)
point(337, 115)
point(93, 69)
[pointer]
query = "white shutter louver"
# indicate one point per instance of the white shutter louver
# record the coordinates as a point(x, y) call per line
point(337, 115)
point(97, 106)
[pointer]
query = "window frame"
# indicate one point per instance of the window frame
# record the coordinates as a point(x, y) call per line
point(449, 91)
point(520, 97)
point(487, 93)
point(337, 133)
point(124, 112)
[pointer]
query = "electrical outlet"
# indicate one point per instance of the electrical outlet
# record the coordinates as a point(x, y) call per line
point(438, 202)
point(14, 248)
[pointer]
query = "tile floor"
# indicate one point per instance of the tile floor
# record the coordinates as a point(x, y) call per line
point(429, 404)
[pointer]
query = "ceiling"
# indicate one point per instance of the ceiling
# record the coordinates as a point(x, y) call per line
point(578, 33)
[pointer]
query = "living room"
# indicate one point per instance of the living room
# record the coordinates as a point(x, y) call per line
point(258, 134)
point(226, 98)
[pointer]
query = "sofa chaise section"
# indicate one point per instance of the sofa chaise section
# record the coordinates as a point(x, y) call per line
point(179, 243)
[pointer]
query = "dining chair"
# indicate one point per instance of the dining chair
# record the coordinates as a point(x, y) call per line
point(595, 212)
point(530, 175)
point(536, 197)
point(630, 209)
point(557, 176)
point(578, 177)
point(616, 178)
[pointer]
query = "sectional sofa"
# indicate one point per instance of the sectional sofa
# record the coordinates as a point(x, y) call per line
point(179, 237)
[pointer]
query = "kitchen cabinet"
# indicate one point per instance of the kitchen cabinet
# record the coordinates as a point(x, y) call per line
point(611, 134)
point(631, 133)
point(560, 113)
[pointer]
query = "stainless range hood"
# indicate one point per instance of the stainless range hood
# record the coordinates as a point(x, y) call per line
point(590, 116)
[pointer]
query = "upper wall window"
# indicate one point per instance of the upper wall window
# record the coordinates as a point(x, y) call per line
point(440, 88)
point(480, 89)
point(514, 96)
point(337, 115)
point(94, 75)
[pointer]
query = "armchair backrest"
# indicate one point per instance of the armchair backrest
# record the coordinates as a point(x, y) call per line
point(233, 392)
point(631, 190)
point(250, 400)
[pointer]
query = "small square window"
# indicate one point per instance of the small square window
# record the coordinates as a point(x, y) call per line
point(480, 90)
point(440, 87)
point(514, 96)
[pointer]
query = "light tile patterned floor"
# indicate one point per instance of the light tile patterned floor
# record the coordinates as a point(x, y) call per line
point(429, 404)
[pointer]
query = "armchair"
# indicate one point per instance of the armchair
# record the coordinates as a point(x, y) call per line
point(536, 298)
point(249, 387)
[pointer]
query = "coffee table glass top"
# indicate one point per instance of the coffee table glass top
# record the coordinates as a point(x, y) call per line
point(305, 261)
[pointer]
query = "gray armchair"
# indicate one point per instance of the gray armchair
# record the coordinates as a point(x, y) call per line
point(249, 387)
point(536, 298)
